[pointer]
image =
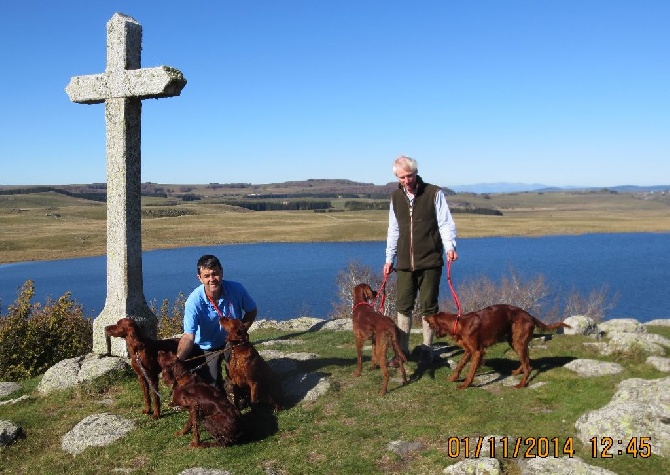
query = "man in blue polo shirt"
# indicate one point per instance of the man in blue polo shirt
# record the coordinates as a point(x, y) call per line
point(213, 299)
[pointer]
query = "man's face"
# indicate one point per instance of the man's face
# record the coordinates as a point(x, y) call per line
point(211, 278)
point(407, 179)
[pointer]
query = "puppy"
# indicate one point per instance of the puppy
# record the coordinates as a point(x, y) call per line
point(476, 331)
point(368, 324)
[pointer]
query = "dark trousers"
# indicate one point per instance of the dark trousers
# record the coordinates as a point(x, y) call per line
point(425, 283)
point(209, 365)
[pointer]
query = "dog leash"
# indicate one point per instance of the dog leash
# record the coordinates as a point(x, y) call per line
point(146, 376)
point(453, 293)
point(382, 292)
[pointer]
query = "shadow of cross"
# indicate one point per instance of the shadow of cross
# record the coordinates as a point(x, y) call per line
point(122, 87)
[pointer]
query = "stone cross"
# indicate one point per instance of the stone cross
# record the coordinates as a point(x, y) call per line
point(122, 87)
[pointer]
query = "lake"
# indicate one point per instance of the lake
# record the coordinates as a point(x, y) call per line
point(288, 280)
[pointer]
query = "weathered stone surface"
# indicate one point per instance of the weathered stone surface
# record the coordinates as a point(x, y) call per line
point(9, 432)
point(663, 322)
point(305, 387)
point(660, 363)
point(626, 325)
point(581, 325)
point(95, 430)
point(587, 367)
point(73, 371)
point(626, 342)
point(15, 400)
point(122, 87)
point(403, 448)
point(560, 466)
point(484, 466)
point(297, 324)
point(8, 387)
point(639, 407)
point(204, 471)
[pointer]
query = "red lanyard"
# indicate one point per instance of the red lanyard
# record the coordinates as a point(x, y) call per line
point(215, 305)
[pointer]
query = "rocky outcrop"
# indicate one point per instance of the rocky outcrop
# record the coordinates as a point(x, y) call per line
point(639, 407)
point(73, 371)
point(95, 430)
point(590, 368)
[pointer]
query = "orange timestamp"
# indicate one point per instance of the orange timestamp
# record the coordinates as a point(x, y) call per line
point(525, 447)
point(603, 447)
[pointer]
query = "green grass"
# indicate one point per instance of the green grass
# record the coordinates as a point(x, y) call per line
point(344, 432)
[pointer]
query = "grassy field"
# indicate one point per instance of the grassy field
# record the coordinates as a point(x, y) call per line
point(347, 430)
point(45, 226)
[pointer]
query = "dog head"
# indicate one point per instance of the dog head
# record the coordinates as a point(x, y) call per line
point(172, 367)
point(441, 323)
point(237, 330)
point(125, 327)
point(363, 293)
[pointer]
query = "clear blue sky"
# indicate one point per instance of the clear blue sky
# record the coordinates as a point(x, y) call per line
point(562, 92)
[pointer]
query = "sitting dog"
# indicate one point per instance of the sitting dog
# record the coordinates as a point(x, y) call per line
point(247, 370)
point(476, 331)
point(203, 401)
point(143, 358)
point(368, 324)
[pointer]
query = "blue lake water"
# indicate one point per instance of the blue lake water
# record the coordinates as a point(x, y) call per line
point(293, 279)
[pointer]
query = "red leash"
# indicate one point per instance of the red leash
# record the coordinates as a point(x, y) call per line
point(453, 293)
point(382, 291)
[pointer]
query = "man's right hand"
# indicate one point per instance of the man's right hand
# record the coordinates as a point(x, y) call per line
point(388, 268)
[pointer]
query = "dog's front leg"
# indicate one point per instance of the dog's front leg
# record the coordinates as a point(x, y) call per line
point(459, 367)
point(196, 429)
point(146, 397)
point(474, 364)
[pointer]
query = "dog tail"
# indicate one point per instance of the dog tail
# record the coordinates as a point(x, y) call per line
point(551, 326)
point(395, 339)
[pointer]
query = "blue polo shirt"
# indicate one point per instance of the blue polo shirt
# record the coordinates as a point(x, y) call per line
point(202, 319)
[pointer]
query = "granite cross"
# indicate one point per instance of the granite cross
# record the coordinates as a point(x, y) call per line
point(122, 87)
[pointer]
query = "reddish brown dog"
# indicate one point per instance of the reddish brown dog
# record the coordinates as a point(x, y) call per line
point(144, 359)
point(475, 331)
point(220, 418)
point(247, 370)
point(368, 324)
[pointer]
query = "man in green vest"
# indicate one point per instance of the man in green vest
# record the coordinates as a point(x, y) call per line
point(420, 232)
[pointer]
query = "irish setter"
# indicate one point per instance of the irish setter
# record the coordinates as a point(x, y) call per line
point(203, 401)
point(247, 369)
point(143, 353)
point(476, 331)
point(368, 324)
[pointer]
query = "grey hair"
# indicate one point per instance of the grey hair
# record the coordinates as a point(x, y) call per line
point(404, 162)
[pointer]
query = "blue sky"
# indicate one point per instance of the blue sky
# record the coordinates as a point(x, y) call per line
point(553, 92)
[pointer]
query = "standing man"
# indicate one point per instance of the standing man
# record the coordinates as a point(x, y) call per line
point(420, 230)
point(212, 299)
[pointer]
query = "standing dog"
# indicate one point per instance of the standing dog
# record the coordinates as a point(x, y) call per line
point(220, 418)
point(247, 370)
point(143, 358)
point(476, 331)
point(368, 324)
